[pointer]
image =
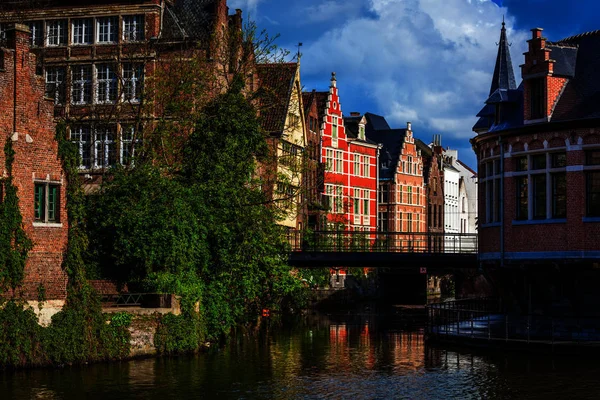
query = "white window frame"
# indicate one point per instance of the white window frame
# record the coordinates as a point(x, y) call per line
point(56, 76)
point(82, 31)
point(133, 78)
point(133, 28)
point(56, 32)
point(107, 29)
point(81, 83)
point(107, 84)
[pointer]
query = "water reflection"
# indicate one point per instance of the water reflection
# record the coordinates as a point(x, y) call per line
point(357, 357)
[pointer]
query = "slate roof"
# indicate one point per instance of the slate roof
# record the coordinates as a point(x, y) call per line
point(321, 98)
point(307, 100)
point(187, 19)
point(351, 125)
point(378, 131)
point(504, 76)
point(426, 152)
point(276, 85)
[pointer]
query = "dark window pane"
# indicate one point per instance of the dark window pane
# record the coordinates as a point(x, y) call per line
point(521, 163)
point(559, 160)
point(522, 196)
point(593, 194)
point(559, 195)
point(539, 196)
point(536, 91)
point(497, 200)
point(592, 157)
point(538, 161)
point(38, 202)
point(53, 203)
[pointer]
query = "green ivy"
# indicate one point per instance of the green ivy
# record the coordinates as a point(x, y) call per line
point(14, 243)
point(183, 333)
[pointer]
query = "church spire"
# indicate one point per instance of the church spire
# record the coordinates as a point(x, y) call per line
point(504, 76)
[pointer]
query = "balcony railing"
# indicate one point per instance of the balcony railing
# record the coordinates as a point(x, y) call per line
point(359, 241)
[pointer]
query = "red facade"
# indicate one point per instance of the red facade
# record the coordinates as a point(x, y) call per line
point(350, 168)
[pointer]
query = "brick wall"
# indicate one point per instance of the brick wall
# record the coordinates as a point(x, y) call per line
point(27, 118)
point(573, 234)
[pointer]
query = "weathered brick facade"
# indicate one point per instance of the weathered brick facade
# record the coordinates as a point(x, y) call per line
point(27, 120)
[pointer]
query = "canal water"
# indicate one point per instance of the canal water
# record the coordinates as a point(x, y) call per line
point(323, 357)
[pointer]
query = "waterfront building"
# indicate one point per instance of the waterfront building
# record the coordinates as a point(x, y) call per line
point(402, 196)
point(314, 173)
point(37, 173)
point(283, 122)
point(350, 159)
point(538, 152)
point(113, 68)
point(433, 178)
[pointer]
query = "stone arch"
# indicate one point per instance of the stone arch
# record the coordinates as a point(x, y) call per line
point(517, 147)
point(536, 145)
point(591, 138)
point(556, 142)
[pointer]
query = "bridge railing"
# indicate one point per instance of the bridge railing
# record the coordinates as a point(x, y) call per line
point(360, 241)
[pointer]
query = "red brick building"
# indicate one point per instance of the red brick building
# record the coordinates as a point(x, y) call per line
point(402, 195)
point(350, 166)
point(114, 67)
point(433, 177)
point(538, 151)
point(27, 120)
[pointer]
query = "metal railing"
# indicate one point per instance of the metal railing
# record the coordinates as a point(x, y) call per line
point(358, 241)
point(484, 319)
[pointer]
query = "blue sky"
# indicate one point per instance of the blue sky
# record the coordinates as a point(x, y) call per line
point(425, 61)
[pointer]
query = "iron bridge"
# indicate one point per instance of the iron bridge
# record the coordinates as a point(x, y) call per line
point(428, 252)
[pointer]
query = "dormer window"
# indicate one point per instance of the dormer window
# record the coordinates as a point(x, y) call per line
point(536, 98)
point(361, 132)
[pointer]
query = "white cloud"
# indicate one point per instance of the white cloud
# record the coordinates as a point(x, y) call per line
point(425, 61)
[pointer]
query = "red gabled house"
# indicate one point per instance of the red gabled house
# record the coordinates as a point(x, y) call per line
point(350, 160)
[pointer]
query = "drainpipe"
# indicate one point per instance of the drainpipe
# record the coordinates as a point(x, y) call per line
point(377, 221)
point(501, 201)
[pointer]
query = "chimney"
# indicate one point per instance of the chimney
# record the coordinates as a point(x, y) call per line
point(354, 114)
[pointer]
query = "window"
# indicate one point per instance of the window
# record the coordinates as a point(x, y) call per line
point(361, 132)
point(56, 33)
point(107, 29)
point(539, 196)
point(81, 89)
point(329, 160)
point(356, 165)
point(106, 81)
point(409, 195)
point(104, 146)
point(521, 163)
point(339, 161)
point(410, 165)
point(82, 31)
point(538, 161)
point(55, 84)
point(366, 203)
point(97, 147)
point(366, 163)
point(46, 203)
point(81, 135)
point(559, 195)
point(356, 203)
point(536, 98)
point(592, 179)
point(593, 193)
point(559, 160)
point(383, 221)
point(409, 227)
point(400, 193)
point(133, 28)
point(2, 33)
point(37, 33)
point(129, 141)
point(491, 187)
point(522, 197)
point(334, 130)
point(384, 194)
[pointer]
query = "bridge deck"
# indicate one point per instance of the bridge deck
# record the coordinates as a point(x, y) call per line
point(397, 250)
